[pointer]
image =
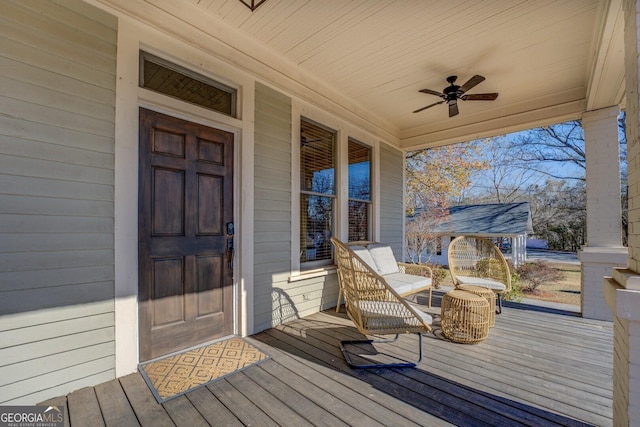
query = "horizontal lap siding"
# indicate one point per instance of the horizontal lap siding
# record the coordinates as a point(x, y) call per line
point(272, 217)
point(391, 194)
point(275, 298)
point(57, 97)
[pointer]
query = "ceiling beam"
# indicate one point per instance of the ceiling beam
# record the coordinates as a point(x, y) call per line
point(499, 126)
point(606, 78)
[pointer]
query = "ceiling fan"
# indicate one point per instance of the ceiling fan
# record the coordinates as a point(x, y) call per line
point(453, 92)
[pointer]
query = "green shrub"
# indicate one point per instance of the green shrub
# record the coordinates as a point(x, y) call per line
point(515, 294)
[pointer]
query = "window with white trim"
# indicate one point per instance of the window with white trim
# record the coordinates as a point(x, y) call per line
point(164, 77)
point(359, 191)
point(317, 193)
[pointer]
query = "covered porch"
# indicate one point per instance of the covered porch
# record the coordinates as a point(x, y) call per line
point(72, 279)
point(539, 366)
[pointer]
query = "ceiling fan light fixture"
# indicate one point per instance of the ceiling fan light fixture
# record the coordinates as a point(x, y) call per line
point(252, 4)
point(453, 92)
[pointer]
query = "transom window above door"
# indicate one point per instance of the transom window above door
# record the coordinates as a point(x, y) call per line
point(162, 76)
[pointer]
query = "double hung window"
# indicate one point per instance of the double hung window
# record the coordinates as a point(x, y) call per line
point(359, 191)
point(317, 193)
point(320, 184)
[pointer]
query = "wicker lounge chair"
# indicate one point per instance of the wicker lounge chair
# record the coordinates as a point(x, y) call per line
point(477, 261)
point(405, 278)
point(375, 307)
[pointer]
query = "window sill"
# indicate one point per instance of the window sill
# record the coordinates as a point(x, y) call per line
point(310, 274)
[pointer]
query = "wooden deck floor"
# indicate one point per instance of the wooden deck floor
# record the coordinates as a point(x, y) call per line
point(538, 368)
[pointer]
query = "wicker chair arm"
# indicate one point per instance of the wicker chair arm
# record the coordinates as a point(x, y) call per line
point(415, 269)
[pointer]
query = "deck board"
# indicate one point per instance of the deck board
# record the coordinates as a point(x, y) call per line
point(357, 409)
point(243, 407)
point(339, 393)
point(183, 413)
point(538, 367)
point(145, 406)
point(114, 405)
point(211, 408)
point(274, 380)
point(84, 408)
point(267, 400)
point(59, 401)
point(436, 401)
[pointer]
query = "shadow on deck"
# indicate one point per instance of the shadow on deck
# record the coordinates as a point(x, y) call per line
point(538, 367)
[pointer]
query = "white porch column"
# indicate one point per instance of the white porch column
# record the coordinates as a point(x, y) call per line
point(604, 248)
point(518, 250)
point(444, 257)
point(622, 292)
point(521, 246)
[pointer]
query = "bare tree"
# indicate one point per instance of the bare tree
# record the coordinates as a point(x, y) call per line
point(421, 236)
point(558, 213)
point(555, 145)
point(504, 180)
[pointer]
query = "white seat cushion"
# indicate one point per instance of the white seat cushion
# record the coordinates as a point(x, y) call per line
point(376, 319)
point(424, 316)
point(383, 257)
point(399, 286)
point(365, 256)
point(406, 283)
point(479, 281)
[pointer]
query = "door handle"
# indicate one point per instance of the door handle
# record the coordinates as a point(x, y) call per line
point(230, 253)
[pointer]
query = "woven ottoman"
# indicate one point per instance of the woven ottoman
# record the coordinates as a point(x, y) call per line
point(486, 293)
point(465, 317)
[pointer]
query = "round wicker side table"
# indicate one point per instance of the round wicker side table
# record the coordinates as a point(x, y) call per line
point(465, 317)
point(486, 293)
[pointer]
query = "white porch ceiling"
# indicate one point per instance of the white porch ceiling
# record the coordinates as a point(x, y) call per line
point(550, 60)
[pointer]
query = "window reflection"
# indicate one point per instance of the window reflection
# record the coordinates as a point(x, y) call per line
point(317, 185)
point(359, 191)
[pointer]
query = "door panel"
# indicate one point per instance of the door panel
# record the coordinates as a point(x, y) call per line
point(211, 151)
point(168, 287)
point(185, 201)
point(210, 198)
point(168, 211)
point(210, 270)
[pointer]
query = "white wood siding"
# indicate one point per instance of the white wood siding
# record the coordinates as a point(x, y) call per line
point(391, 193)
point(57, 97)
point(276, 298)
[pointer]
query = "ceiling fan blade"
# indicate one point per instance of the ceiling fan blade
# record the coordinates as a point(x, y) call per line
point(453, 109)
point(428, 106)
point(479, 97)
point(432, 92)
point(471, 83)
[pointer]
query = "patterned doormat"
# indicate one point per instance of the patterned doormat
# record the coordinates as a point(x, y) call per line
point(178, 374)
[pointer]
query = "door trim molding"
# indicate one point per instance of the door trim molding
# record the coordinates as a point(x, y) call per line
point(131, 36)
point(181, 248)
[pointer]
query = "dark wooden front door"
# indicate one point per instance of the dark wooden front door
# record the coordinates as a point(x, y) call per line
point(185, 203)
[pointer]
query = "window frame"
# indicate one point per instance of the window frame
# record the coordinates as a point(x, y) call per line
point(368, 202)
point(333, 198)
point(233, 92)
point(344, 129)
